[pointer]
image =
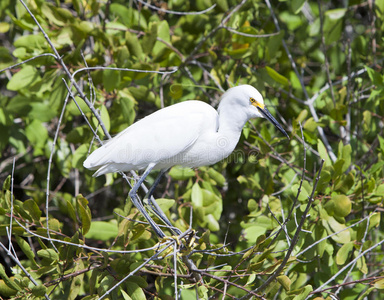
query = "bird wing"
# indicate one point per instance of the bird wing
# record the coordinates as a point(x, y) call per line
point(156, 138)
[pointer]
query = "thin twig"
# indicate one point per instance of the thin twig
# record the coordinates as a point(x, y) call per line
point(348, 283)
point(310, 104)
point(47, 192)
point(153, 257)
point(250, 293)
point(181, 13)
point(295, 237)
point(319, 289)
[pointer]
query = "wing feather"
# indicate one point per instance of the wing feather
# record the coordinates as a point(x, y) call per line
point(154, 139)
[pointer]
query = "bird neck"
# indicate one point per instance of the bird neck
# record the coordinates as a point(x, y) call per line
point(232, 119)
point(231, 123)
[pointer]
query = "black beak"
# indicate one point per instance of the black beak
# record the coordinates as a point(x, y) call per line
point(265, 112)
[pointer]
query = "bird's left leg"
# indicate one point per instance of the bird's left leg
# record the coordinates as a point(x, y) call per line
point(136, 201)
point(155, 208)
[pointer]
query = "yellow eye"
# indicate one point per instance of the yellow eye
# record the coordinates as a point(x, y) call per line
point(255, 103)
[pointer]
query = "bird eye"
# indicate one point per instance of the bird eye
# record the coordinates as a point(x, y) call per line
point(252, 100)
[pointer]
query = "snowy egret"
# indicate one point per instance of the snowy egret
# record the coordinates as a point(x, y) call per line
point(190, 134)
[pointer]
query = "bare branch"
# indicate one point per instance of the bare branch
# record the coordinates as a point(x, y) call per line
point(177, 12)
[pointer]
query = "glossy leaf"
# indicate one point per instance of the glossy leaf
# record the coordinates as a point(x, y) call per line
point(101, 230)
point(84, 213)
point(24, 78)
point(343, 253)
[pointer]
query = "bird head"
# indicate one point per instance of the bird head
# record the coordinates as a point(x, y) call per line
point(252, 102)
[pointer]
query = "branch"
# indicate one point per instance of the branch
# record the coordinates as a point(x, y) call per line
point(310, 105)
point(177, 12)
point(294, 239)
point(319, 289)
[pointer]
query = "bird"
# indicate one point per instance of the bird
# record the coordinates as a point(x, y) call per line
point(190, 134)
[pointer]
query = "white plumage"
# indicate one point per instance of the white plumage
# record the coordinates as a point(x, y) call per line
point(190, 134)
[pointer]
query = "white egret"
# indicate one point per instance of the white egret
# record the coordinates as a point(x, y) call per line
point(190, 134)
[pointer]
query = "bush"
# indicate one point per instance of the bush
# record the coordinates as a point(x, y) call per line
point(277, 219)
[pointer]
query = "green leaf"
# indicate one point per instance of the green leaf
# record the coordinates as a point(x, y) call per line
point(135, 291)
point(149, 38)
point(333, 25)
point(379, 7)
point(7, 183)
point(304, 292)
point(111, 79)
point(101, 230)
point(297, 5)
point(127, 104)
point(165, 204)
point(19, 105)
point(33, 210)
point(374, 220)
point(5, 117)
point(253, 232)
point(125, 295)
point(37, 135)
point(379, 284)
point(284, 281)
point(53, 15)
point(6, 291)
point(346, 182)
point(42, 112)
point(115, 28)
point(4, 27)
point(32, 42)
point(343, 205)
point(274, 44)
point(333, 226)
point(176, 91)
point(133, 45)
point(71, 212)
point(24, 78)
point(222, 5)
point(8, 281)
point(310, 125)
point(323, 153)
point(361, 263)
point(344, 152)
point(277, 77)
point(79, 156)
point(292, 21)
point(240, 53)
point(142, 93)
point(48, 256)
point(180, 173)
point(39, 290)
point(304, 192)
point(197, 195)
point(376, 77)
point(104, 117)
point(163, 31)
point(79, 134)
point(343, 253)
point(84, 213)
point(212, 224)
point(77, 282)
point(216, 176)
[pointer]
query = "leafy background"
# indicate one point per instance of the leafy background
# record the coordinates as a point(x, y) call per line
point(67, 235)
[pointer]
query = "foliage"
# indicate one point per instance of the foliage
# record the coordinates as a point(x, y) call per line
point(68, 235)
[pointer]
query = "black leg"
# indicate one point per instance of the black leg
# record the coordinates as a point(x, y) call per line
point(136, 201)
point(155, 207)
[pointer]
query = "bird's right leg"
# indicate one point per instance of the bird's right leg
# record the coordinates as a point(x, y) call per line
point(155, 208)
point(137, 203)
